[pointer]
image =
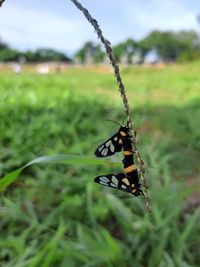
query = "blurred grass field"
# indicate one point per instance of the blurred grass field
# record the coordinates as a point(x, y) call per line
point(54, 215)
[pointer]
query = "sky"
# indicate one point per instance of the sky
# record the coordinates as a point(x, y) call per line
point(59, 25)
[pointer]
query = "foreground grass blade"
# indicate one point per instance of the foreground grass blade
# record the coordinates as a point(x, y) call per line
point(61, 159)
point(10, 178)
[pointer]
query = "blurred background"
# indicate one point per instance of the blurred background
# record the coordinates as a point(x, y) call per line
point(57, 91)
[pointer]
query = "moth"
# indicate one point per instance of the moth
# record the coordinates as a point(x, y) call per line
point(121, 182)
point(129, 180)
point(121, 139)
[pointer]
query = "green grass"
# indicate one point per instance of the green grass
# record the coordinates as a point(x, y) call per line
point(54, 215)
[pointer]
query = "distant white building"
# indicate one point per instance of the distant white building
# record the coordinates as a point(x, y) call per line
point(16, 68)
point(43, 69)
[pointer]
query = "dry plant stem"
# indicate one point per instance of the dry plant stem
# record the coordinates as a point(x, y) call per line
point(109, 52)
point(1, 2)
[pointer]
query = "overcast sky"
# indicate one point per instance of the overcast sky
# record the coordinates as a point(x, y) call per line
point(58, 24)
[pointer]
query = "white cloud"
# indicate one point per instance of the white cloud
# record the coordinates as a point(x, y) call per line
point(30, 28)
point(166, 15)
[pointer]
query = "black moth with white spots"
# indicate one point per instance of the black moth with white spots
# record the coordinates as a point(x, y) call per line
point(113, 144)
point(129, 180)
point(119, 181)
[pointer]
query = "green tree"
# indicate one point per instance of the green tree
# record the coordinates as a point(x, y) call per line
point(90, 53)
point(7, 54)
point(45, 54)
point(170, 45)
point(127, 49)
point(2, 44)
point(191, 41)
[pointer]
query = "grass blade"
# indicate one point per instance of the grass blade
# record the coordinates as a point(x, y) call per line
point(56, 159)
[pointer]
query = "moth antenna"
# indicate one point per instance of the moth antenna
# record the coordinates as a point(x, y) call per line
point(115, 122)
point(123, 120)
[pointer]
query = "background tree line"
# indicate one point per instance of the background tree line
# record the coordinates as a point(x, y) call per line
point(165, 46)
point(8, 54)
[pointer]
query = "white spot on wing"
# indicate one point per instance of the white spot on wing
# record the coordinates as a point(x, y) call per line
point(104, 179)
point(112, 148)
point(103, 183)
point(123, 186)
point(115, 180)
point(108, 143)
point(115, 138)
point(100, 148)
point(126, 181)
point(105, 151)
point(113, 185)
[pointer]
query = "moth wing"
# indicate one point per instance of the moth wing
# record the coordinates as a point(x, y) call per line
point(114, 181)
point(109, 147)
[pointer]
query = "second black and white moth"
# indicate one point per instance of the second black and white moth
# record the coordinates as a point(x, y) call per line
point(121, 182)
